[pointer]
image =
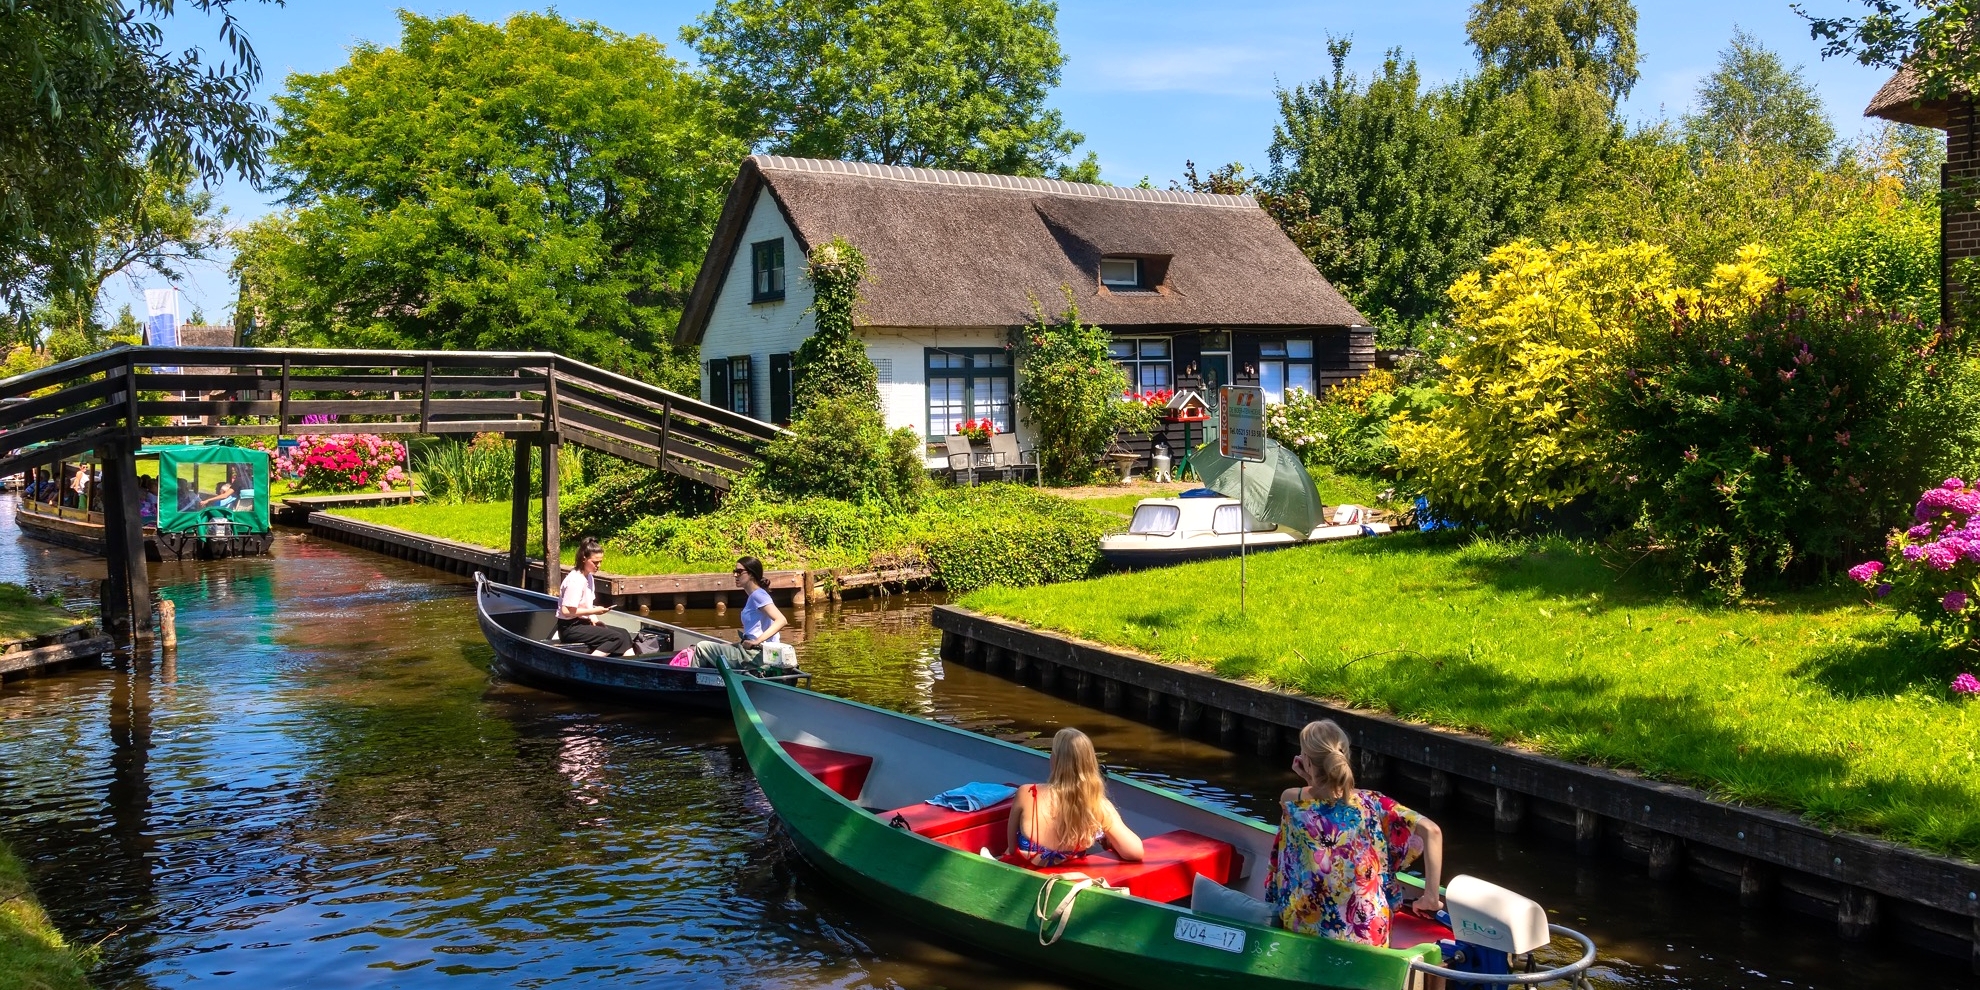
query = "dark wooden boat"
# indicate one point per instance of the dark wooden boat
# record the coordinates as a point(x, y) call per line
point(850, 781)
point(518, 624)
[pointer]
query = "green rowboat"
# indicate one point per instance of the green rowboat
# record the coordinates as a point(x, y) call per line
point(849, 781)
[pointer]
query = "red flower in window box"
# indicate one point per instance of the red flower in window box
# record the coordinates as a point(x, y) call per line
point(977, 430)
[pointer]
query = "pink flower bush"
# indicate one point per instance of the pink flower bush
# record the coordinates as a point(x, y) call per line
point(344, 462)
point(1966, 684)
point(1933, 567)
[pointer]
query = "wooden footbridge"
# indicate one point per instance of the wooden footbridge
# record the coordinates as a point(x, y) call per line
point(110, 402)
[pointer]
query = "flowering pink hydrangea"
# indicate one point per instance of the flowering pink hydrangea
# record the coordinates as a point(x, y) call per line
point(343, 462)
point(1966, 684)
point(1954, 601)
point(1920, 531)
point(1866, 571)
point(1913, 552)
point(1932, 568)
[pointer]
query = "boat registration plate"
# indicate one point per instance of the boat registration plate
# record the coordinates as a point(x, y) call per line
point(708, 680)
point(1214, 936)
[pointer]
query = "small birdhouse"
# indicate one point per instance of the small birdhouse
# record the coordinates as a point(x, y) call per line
point(1186, 406)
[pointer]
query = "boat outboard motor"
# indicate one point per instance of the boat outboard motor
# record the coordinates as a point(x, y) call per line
point(1490, 925)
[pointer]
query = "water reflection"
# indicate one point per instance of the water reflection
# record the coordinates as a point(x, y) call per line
point(330, 790)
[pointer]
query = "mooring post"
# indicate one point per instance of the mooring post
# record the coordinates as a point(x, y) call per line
point(1857, 915)
point(519, 518)
point(1756, 884)
point(1587, 832)
point(553, 551)
point(168, 624)
point(1666, 856)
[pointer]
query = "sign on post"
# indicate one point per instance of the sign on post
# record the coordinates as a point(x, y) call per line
point(1241, 422)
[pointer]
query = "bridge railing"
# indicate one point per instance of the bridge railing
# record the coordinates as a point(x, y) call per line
point(144, 392)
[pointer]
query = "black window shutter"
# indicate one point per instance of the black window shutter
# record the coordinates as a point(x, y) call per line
point(718, 382)
point(780, 388)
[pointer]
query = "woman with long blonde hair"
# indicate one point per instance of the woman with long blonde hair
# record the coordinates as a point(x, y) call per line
point(1063, 820)
point(1339, 848)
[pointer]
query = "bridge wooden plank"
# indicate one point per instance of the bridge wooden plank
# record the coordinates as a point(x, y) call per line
point(600, 380)
point(649, 456)
point(67, 371)
point(74, 395)
point(53, 452)
point(336, 407)
point(60, 427)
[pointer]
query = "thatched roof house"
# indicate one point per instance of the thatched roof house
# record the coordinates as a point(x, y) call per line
point(1190, 285)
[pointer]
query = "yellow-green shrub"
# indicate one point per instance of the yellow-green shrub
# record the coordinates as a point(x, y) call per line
point(1541, 326)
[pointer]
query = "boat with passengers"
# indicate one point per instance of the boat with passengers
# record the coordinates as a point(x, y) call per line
point(521, 627)
point(851, 784)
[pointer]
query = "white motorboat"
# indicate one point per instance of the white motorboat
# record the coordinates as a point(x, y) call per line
point(1201, 525)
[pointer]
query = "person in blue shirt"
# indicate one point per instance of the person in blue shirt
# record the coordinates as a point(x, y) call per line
point(761, 619)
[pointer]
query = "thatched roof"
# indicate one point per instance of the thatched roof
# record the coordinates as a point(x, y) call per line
point(960, 249)
point(207, 335)
point(1899, 100)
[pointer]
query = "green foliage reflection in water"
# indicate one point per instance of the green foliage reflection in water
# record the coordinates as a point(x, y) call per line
point(1811, 703)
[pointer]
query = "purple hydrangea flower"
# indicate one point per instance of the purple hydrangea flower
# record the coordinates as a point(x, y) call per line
point(1954, 601)
point(1966, 684)
point(1866, 571)
point(1940, 557)
point(1920, 531)
point(1883, 589)
point(1953, 483)
point(1914, 553)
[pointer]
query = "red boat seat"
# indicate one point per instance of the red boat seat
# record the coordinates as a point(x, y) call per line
point(987, 827)
point(842, 772)
point(1170, 863)
point(1407, 929)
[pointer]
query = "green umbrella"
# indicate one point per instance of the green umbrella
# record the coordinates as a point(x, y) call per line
point(1277, 490)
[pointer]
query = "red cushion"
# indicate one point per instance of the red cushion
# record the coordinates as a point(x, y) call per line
point(1169, 864)
point(842, 772)
point(935, 821)
point(1408, 929)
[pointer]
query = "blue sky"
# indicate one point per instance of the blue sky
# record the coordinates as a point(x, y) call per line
point(1150, 84)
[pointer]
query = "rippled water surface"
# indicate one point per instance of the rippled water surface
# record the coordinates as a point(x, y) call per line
point(325, 787)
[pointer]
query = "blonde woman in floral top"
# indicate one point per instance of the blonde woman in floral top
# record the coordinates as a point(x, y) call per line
point(1335, 861)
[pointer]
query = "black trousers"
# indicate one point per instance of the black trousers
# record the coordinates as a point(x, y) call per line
point(581, 634)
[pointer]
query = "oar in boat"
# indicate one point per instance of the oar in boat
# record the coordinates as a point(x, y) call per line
point(850, 783)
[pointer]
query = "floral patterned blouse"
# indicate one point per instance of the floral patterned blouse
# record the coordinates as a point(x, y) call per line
point(1334, 865)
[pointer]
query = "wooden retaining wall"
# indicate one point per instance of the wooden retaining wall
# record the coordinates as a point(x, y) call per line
point(40, 654)
point(1869, 888)
point(642, 592)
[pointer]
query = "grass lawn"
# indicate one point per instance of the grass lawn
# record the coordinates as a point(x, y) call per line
point(1811, 702)
point(32, 952)
point(487, 524)
point(22, 615)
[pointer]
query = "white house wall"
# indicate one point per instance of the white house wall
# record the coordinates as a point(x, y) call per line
point(900, 354)
point(737, 326)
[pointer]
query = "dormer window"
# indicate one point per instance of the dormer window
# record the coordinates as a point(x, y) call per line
point(1120, 273)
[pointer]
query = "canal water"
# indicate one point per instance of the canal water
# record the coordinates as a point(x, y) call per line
point(325, 787)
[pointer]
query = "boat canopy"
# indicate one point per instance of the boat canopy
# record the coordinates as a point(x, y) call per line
point(211, 489)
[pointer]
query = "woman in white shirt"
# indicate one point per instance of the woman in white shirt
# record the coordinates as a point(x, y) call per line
point(761, 619)
point(578, 611)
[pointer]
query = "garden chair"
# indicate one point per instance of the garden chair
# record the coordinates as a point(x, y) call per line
point(963, 462)
point(1013, 461)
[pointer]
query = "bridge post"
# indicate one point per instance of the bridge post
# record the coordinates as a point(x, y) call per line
point(553, 552)
point(519, 519)
point(127, 593)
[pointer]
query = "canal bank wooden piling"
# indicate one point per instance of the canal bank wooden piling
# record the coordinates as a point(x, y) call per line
point(1867, 888)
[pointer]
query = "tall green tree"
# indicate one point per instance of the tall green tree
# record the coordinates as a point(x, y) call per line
point(1593, 41)
point(1933, 38)
point(955, 84)
point(94, 101)
point(1394, 189)
point(534, 184)
point(1753, 103)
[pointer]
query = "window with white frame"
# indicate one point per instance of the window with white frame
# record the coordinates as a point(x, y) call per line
point(1146, 360)
point(1120, 273)
point(1285, 364)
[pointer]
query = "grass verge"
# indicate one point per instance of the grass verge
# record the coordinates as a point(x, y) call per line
point(1812, 702)
point(22, 615)
point(33, 955)
point(486, 524)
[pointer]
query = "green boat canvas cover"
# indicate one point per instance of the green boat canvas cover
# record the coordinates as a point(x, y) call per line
point(211, 490)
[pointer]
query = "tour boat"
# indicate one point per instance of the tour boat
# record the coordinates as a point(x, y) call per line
point(1167, 531)
point(518, 624)
point(850, 783)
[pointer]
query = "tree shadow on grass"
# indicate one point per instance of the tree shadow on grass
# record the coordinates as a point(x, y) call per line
point(1883, 663)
